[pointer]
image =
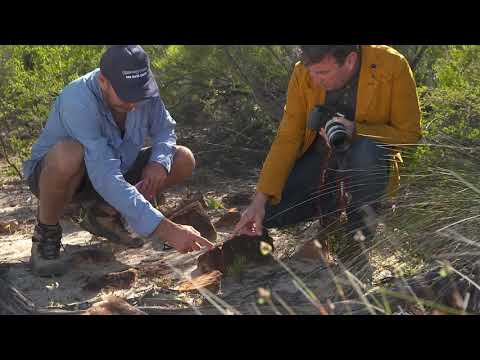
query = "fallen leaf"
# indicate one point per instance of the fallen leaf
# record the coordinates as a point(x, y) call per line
point(209, 281)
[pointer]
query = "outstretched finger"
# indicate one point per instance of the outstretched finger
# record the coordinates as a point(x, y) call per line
point(241, 224)
point(259, 225)
point(192, 230)
point(204, 242)
point(247, 230)
point(196, 246)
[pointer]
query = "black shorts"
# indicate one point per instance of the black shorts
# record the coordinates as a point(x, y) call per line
point(86, 191)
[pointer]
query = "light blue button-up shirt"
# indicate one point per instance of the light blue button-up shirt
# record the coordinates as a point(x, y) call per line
point(81, 113)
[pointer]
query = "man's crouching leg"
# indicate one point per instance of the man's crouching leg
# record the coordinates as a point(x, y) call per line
point(369, 164)
point(182, 167)
point(54, 182)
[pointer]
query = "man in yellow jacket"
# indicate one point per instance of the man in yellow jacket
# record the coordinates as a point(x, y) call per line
point(373, 91)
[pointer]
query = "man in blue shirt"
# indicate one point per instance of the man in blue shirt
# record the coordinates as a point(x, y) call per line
point(91, 151)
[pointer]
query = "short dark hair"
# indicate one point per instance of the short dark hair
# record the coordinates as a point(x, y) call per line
point(312, 54)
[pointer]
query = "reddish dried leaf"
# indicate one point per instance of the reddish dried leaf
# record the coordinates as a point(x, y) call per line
point(210, 281)
point(195, 215)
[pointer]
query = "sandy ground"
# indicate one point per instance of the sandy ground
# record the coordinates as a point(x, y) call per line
point(17, 204)
point(159, 272)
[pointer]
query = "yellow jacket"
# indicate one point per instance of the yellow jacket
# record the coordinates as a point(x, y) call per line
point(387, 111)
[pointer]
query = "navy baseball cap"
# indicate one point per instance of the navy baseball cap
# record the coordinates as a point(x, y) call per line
point(127, 67)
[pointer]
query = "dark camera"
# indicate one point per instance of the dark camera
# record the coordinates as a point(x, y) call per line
point(322, 116)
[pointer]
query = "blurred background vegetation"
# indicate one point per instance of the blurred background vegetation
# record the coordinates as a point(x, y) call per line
point(237, 91)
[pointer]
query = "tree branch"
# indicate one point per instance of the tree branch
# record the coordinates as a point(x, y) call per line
point(275, 55)
point(256, 96)
point(5, 154)
point(419, 57)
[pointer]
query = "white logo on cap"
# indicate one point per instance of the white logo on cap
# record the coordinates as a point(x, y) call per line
point(135, 74)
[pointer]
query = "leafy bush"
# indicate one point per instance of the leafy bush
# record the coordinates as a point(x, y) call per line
point(30, 79)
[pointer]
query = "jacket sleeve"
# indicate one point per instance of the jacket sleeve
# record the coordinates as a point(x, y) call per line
point(405, 116)
point(287, 144)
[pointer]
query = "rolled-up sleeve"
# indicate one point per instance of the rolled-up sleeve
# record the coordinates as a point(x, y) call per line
point(162, 133)
point(103, 167)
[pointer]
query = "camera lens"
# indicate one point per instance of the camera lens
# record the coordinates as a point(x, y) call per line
point(336, 133)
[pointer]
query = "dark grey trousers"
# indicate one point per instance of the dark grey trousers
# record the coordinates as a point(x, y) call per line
point(365, 166)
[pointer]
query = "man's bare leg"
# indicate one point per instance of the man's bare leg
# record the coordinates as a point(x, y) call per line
point(61, 175)
point(182, 167)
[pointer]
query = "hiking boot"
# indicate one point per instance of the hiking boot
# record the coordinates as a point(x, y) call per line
point(104, 221)
point(45, 257)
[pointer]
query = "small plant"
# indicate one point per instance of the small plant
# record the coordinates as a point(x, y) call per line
point(214, 204)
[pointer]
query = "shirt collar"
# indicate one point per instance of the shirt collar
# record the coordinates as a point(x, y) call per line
point(97, 91)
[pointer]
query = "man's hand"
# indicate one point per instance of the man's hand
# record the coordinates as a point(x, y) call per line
point(182, 238)
point(153, 177)
point(323, 134)
point(251, 222)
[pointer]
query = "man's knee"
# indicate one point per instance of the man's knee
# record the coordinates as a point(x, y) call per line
point(366, 154)
point(184, 161)
point(369, 163)
point(66, 158)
